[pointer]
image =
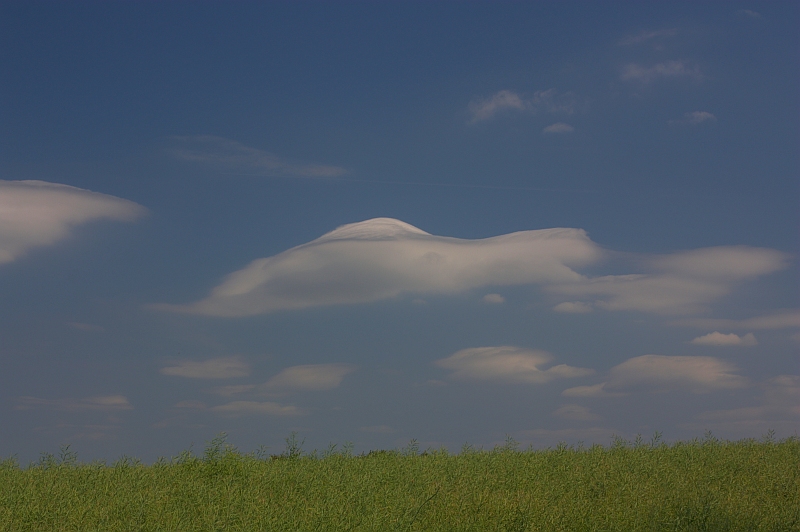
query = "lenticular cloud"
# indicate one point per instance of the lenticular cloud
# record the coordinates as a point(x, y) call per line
point(383, 258)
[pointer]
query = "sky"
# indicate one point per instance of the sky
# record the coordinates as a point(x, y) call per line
point(372, 222)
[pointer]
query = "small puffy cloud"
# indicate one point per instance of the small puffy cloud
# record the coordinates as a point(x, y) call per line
point(309, 377)
point(573, 307)
point(243, 408)
point(507, 364)
point(680, 283)
point(695, 117)
point(645, 36)
point(100, 403)
point(38, 213)
point(667, 70)
point(215, 368)
point(575, 413)
point(719, 339)
point(548, 101)
point(222, 152)
point(558, 127)
point(493, 299)
point(661, 373)
point(383, 258)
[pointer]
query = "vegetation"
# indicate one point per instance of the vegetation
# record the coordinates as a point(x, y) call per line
point(704, 484)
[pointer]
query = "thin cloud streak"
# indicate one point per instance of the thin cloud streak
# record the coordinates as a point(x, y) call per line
point(216, 368)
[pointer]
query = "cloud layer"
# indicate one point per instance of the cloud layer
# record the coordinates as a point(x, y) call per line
point(38, 213)
point(383, 258)
point(233, 155)
point(507, 364)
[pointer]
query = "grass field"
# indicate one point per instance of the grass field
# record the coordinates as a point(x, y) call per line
point(704, 484)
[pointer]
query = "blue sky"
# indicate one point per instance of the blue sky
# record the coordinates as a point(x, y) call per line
point(373, 222)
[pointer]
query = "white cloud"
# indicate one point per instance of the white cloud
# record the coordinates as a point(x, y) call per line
point(241, 408)
point(645, 36)
point(719, 339)
point(785, 319)
point(661, 373)
point(669, 69)
point(549, 101)
point(37, 213)
point(102, 403)
point(573, 307)
point(215, 368)
point(309, 377)
point(558, 127)
point(383, 258)
point(493, 299)
point(575, 413)
point(507, 364)
point(229, 153)
point(681, 283)
point(695, 117)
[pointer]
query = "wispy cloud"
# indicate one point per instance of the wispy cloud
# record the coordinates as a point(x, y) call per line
point(99, 403)
point(507, 364)
point(245, 408)
point(784, 319)
point(718, 339)
point(215, 368)
point(680, 283)
point(695, 117)
point(309, 377)
point(548, 101)
point(558, 127)
point(383, 258)
point(38, 213)
point(749, 13)
point(657, 373)
point(645, 36)
point(228, 153)
point(666, 70)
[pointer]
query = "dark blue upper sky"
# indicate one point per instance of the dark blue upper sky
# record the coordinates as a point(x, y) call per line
point(199, 137)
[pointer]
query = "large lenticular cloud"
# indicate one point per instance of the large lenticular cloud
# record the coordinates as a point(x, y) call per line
point(38, 213)
point(382, 258)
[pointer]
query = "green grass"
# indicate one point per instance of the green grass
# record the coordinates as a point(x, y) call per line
point(628, 486)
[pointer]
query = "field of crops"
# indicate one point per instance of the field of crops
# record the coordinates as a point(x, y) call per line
point(704, 484)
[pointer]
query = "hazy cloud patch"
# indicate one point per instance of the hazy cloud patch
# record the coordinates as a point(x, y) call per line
point(227, 391)
point(548, 101)
point(507, 364)
point(595, 390)
point(219, 151)
point(666, 70)
point(309, 377)
point(494, 299)
point(243, 408)
point(379, 429)
point(784, 319)
point(100, 403)
point(575, 413)
point(663, 373)
point(718, 339)
point(573, 307)
point(695, 117)
point(38, 213)
point(748, 13)
point(215, 368)
point(645, 36)
point(558, 127)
